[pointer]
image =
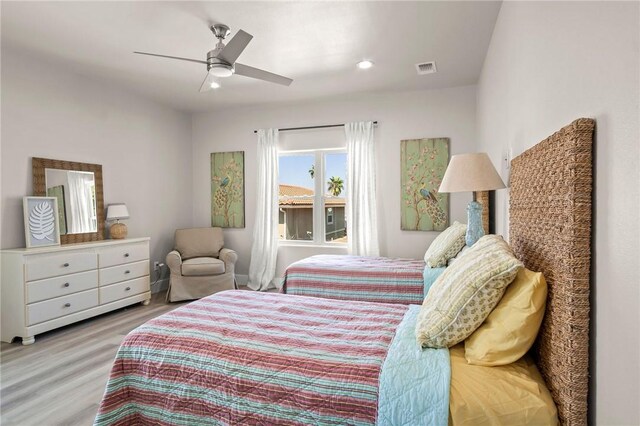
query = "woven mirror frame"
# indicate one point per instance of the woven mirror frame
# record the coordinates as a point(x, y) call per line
point(40, 189)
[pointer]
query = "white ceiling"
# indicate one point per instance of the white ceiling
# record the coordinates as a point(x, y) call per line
point(315, 43)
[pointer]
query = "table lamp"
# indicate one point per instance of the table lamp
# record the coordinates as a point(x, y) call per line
point(471, 172)
point(116, 212)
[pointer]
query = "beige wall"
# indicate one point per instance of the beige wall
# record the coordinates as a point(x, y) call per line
point(401, 115)
point(144, 148)
point(548, 64)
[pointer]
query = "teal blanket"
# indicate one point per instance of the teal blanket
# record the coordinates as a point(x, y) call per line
point(429, 276)
point(414, 382)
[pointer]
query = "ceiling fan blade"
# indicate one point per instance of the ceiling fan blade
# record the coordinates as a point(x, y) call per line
point(252, 72)
point(172, 57)
point(234, 48)
point(207, 83)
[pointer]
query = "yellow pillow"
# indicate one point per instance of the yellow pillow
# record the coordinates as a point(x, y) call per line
point(512, 327)
point(513, 394)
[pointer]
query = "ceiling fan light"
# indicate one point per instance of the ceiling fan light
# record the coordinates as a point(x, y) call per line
point(365, 65)
point(221, 72)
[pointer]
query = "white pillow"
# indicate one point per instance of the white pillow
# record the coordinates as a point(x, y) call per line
point(446, 245)
point(457, 256)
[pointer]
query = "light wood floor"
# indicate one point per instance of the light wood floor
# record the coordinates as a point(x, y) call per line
point(60, 379)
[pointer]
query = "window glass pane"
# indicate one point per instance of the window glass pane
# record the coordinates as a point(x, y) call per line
point(296, 179)
point(335, 192)
point(335, 222)
point(335, 172)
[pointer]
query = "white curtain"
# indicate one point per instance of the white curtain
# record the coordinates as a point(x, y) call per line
point(265, 231)
point(362, 221)
point(80, 203)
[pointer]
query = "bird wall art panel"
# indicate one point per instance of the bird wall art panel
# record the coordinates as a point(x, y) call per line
point(422, 164)
point(227, 189)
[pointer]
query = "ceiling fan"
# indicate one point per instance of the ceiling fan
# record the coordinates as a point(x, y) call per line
point(221, 61)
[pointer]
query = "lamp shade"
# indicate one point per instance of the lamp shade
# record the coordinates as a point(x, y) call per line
point(470, 172)
point(117, 211)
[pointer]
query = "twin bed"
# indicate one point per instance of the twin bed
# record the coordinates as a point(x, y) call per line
point(241, 357)
point(365, 279)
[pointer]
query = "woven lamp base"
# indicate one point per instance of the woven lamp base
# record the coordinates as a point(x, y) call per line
point(118, 231)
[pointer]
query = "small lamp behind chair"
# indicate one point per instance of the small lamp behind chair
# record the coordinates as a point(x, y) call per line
point(471, 172)
point(116, 212)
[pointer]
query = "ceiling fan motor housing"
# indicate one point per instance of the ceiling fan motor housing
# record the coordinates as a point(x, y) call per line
point(220, 31)
point(217, 66)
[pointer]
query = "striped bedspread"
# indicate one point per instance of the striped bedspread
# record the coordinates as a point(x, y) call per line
point(242, 357)
point(368, 279)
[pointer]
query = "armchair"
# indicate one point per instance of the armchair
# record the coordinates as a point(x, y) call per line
point(199, 264)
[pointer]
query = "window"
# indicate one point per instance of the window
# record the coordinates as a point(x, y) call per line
point(312, 196)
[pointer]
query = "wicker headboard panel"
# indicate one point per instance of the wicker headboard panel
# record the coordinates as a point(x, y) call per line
point(550, 231)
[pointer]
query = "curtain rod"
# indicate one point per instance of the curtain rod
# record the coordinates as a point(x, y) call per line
point(313, 127)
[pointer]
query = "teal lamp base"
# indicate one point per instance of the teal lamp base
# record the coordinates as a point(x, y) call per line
point(474, 226)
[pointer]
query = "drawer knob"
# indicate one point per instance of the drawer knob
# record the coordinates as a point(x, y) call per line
point(126, 255)
point(67, 305)
point(127, 289)
point(127, 271)
point(66, 285)
point(65, 265)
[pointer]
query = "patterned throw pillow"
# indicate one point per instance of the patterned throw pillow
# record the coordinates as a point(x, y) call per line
point(446, 245)
point(464, 295)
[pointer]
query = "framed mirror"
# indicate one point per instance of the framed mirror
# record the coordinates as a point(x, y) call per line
point(78, 188)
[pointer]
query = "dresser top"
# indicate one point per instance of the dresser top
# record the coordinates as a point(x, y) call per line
point(78, 246)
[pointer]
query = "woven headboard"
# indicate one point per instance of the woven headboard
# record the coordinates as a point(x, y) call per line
point(550, 231)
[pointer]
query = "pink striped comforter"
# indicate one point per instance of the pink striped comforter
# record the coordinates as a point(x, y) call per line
point(241, 357)
point(367, 279)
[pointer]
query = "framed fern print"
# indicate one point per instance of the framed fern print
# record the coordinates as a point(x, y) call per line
point(41, 221)
point(422, 164)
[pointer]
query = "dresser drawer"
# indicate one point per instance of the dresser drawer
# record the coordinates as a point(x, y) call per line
point(114, 292)
point(128, 271)
point(61, 286)
point(126, 253)
point(46, 266)
point(61, 306)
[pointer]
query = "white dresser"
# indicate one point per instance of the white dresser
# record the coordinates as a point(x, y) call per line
point(49, 287)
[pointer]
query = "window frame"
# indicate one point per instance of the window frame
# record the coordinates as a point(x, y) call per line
point(319, 196)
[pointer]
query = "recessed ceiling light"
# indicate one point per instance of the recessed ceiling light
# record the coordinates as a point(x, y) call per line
point(215, 85)
point(364, 65)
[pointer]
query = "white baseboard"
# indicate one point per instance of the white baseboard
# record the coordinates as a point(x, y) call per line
point(277, 282)
point(160, 286)
point(242, 280)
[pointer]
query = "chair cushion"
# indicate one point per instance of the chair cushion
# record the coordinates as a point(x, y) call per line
point(199, 242)
point(199, 266)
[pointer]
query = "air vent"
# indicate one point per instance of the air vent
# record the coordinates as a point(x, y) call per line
point(426, 68)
